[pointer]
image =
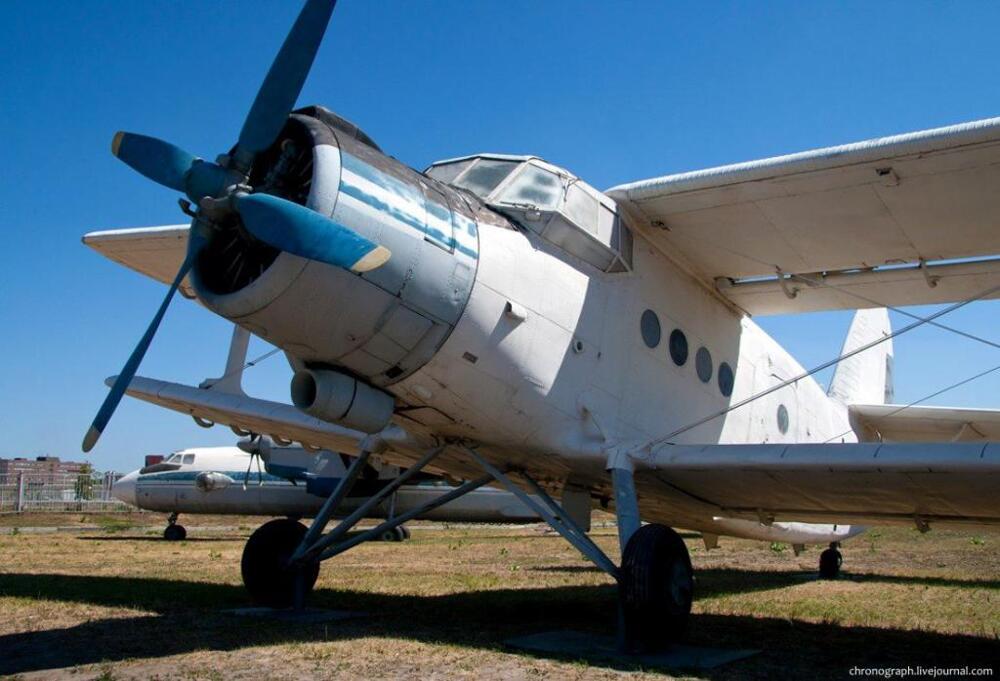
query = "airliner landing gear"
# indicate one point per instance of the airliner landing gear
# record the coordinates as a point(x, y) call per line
point(173, 531)
point(399, 533)
point(830, 562)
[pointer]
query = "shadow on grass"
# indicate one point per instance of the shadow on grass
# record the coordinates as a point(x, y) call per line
point(159, 538)
point(189, 619)
point(725, 581)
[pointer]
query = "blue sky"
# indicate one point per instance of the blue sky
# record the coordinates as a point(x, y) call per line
point(613, 91)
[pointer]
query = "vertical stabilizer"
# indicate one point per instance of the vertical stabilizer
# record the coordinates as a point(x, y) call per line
point(865, 378)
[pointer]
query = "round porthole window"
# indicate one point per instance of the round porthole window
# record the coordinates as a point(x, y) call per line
point(726, 379)
point(678, 347)
point(782, 418)
point(703, 364)
point(649, 326)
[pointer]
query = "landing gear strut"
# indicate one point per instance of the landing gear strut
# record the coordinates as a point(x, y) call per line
point(173, 531)
point(655, 580)
point(281, 559)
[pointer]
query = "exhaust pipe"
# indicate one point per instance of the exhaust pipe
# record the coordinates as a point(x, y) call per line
point(338, 398)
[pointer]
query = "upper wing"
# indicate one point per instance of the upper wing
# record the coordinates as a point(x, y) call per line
point(955, 482)
point(156, 252)
point(899, 423)
point(857, 220)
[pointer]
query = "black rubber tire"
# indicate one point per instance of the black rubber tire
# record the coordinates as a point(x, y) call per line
point(406, 531)
point(175, 533)
point(266, 574)
point(656, 589)
point(402, 534)
point(389, 535)
point(829, 564)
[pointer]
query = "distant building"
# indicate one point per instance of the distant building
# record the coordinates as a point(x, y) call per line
point(41, 466)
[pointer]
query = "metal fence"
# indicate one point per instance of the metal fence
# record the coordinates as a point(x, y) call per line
point(20, 492)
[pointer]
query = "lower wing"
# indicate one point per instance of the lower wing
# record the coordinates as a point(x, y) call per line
point(873, 483)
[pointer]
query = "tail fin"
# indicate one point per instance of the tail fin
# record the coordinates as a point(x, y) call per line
point(865, 378)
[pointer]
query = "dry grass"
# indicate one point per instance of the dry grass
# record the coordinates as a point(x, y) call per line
point(125, 605)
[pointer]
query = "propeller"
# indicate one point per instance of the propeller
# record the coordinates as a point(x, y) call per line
point(220, 189)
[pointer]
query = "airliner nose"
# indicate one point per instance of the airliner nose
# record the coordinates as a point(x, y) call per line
point(124, 489)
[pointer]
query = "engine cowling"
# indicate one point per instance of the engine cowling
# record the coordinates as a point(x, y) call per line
point(379, 326)
point(210, 481)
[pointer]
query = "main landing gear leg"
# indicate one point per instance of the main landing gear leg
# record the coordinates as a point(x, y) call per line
point(281, 559)
point(173, 531)
point(655, 582)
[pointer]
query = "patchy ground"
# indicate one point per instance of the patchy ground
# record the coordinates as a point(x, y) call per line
point(120, 603)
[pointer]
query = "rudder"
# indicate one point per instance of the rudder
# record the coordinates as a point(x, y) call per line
point(865, 378)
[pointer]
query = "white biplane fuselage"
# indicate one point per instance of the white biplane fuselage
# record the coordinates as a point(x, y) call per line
point(498, 320)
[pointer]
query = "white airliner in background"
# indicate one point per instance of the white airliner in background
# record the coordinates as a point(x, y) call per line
point(295, 483)
point(223, 480)
point(497, 319)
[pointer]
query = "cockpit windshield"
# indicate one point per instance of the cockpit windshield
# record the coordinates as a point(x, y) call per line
point(547, 200)
point(534, 186)
point(484, 176)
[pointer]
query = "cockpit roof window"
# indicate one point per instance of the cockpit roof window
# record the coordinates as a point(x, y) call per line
point(485, 175)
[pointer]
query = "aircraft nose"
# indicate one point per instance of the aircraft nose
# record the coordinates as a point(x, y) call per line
point(124, 488)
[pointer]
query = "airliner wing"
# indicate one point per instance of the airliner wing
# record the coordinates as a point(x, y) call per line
point(280, 421)
point(853, 222)
point(156, 252)
point(899, 423)
point(877, 483)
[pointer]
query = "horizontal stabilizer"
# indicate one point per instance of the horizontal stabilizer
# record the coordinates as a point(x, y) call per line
point(156, 252)
point(899, 423)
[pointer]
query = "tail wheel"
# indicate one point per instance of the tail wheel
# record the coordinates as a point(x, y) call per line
point(829, 563)
point(266, 573)
point(655, 589)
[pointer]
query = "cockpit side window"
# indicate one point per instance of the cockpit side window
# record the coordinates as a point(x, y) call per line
point(485, 175)
point(188, 458)
point(173, 458)
point(447, 172)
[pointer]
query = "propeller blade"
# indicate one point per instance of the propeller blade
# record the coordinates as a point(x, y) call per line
point(281, 87)
point(195, 241)
point(298, 230)
point(160, 161)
